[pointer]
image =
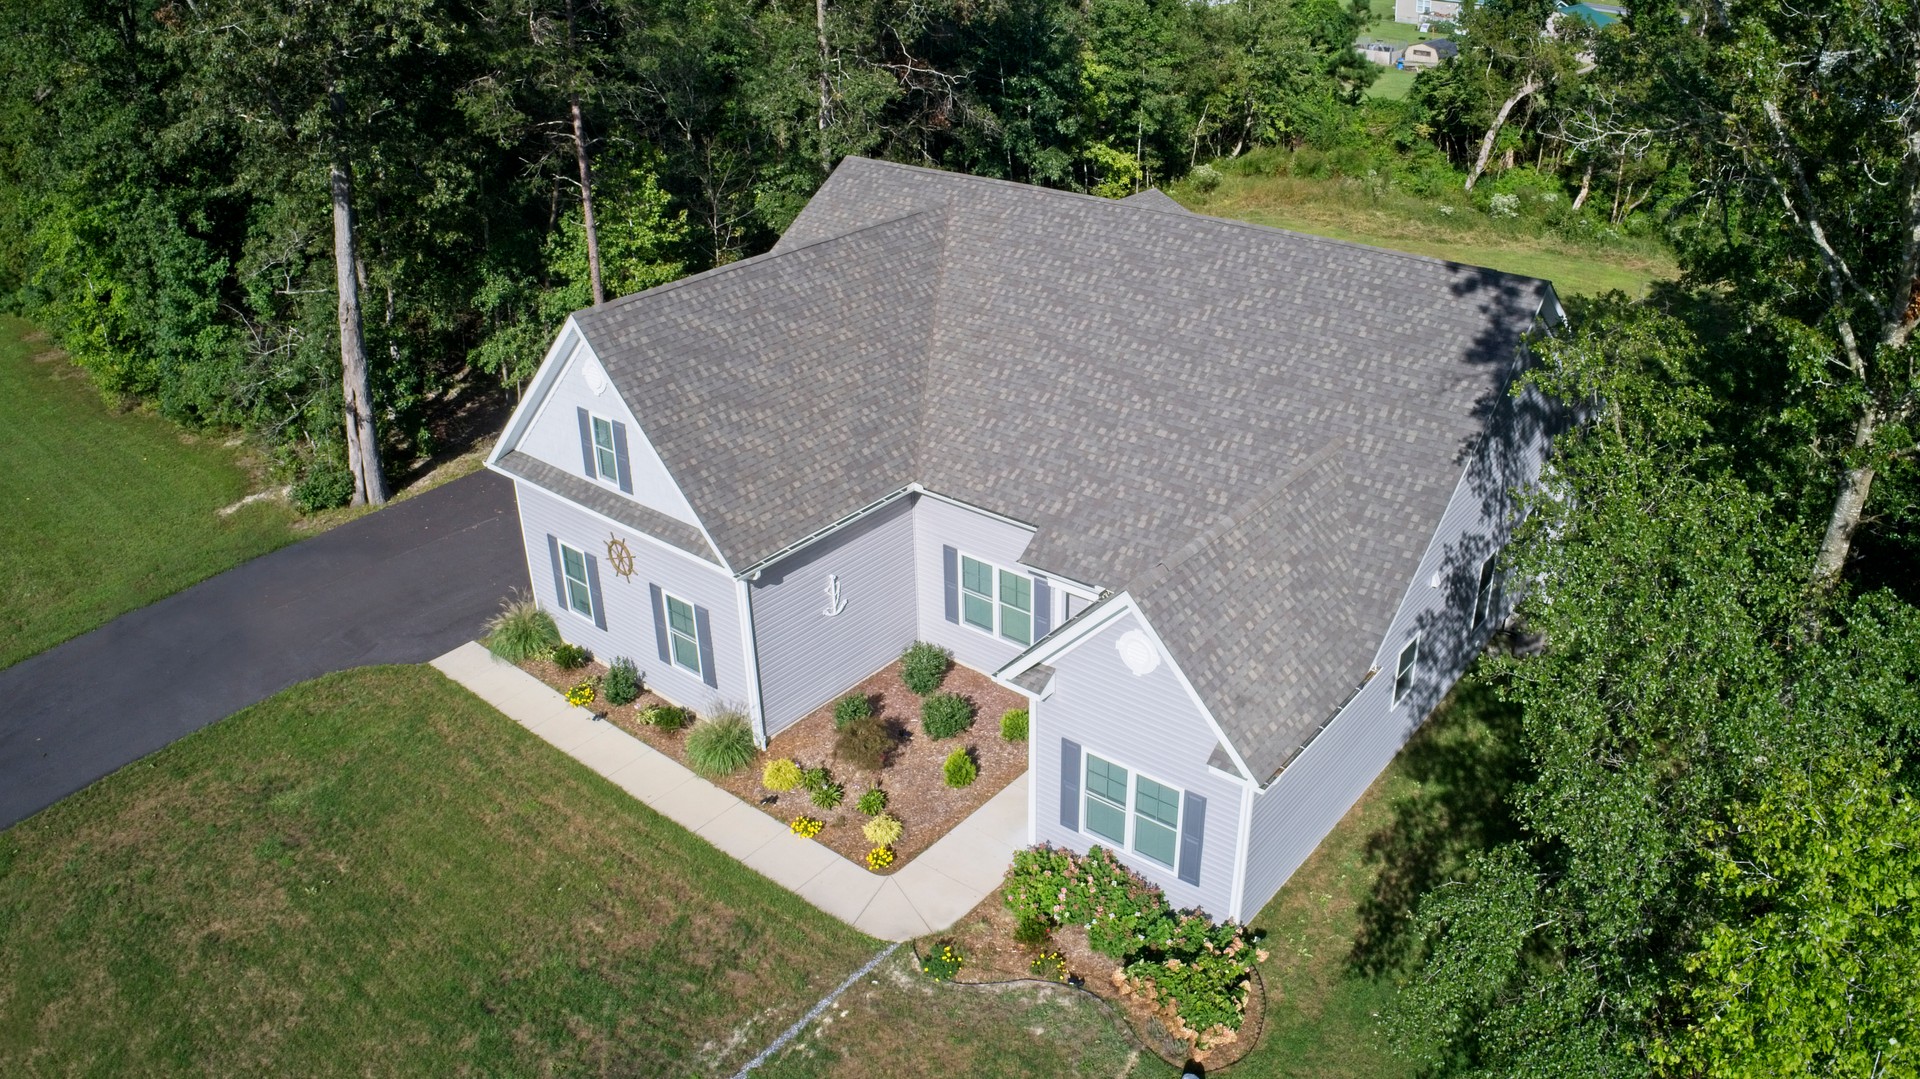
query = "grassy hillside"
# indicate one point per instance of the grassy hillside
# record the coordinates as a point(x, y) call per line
point(104, 512)
point(1445, 227)
point(376, 873)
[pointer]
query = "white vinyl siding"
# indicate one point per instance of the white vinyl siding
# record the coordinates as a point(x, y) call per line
point(682, 633)
point(1131, 811)
point(573, 568)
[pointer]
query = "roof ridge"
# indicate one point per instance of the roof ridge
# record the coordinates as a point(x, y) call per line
point(751, 260)
point(1193, 215)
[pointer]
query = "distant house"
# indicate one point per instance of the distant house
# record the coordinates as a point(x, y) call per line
point(1425, 12)
point(1430, 53)
point(1223, 502)
point(1384, 53)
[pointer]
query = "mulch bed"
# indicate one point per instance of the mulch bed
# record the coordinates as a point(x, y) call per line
point(913, 777)
point(985, 939)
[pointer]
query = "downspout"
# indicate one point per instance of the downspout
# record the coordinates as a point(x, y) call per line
point(754, 706)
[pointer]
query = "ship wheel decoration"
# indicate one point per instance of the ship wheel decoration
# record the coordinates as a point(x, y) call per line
point(620, 557)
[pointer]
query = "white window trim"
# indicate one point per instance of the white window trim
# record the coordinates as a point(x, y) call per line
point(667, 600)
point(612, 478)
point(1033, 613)
point(1131, 811)
point(1413, 670)
point(566, 582)
point(1486, 585)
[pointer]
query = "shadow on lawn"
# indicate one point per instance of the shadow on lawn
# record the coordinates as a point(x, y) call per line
point(1467, 761)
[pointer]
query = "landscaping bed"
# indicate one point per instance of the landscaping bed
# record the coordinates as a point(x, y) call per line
point(913, 776)
point(989, 948)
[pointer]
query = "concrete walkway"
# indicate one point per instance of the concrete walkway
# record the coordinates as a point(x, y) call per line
point(931, 893)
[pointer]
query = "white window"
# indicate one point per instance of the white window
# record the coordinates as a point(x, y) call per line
point(683, 633)
point(1403, 671)
point(604, 457)
point(1132, 812)
point(573, 568)
point(1486, 598)
point(997, 601)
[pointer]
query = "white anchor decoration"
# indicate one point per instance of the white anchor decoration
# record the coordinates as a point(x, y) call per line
point(835, 604)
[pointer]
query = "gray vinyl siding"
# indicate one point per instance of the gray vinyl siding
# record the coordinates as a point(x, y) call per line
point(554, 437)
point(807, 658)
point(1293, 814)
point(628, 605)
point(1147, 723)
point(937, 524)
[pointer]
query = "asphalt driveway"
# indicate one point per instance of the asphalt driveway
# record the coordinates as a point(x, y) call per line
point(402, 585)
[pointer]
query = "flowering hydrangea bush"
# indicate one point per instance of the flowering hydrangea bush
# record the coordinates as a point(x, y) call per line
point(1198, 971)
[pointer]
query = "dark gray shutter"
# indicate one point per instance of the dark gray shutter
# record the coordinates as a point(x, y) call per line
point(620, 457)
point(586, 443)
point(1193, 832)
point(593, 589)
point(559, 582)
point(1042, 607)
point(1069, 785)
point(701, 630)
point(950, 561)
point(660, 622)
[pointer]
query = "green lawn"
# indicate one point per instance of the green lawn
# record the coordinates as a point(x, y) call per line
point(900, 1023)
point(104, 512)
point(1346, 209)
point(1392, 85)
point(375, 873)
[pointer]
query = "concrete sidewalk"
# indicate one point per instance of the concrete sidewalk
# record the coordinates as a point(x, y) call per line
point(928, 895)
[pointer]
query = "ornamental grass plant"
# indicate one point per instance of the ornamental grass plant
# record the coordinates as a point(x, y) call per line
point(521, 631)
point(721, 745)
point(883, 831)
point(780, 775)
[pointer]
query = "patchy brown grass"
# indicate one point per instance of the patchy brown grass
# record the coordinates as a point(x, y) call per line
point(376, 873)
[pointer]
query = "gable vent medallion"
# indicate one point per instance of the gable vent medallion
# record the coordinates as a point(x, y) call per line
point(1138, 653)
point(596, 378)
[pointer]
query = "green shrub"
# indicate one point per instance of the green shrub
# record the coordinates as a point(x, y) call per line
point(1204, 178)
point(924, 666)
point(865, 744)
point(521, 631)
point(849, 708)
point(1031, 932)
point(944, 715)
point(667, 717)
point(326, 484)
point(816, 777)
point(828, 795)
point(780, 775)
point(960, 769)
point(883, 830)
point(722, 745)
point(872, 801)
point(1013, 725)
point(622, 684)
point(570, 657)
point(1202, 969)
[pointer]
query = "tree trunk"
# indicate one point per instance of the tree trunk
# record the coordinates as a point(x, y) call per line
point(1848, 505)
point(1499, 120)
point(586, 200)
point(363, 445)
point(1586, 186)
point(826, 60)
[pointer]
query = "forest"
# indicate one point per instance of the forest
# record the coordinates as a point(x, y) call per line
point(320, 222)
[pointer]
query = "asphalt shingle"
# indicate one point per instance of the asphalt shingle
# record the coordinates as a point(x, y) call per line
point(1253, 431)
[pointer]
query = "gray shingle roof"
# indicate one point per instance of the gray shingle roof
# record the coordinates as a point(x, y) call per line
point(1253, 431)
point(1154, 199)
point(607, 503)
